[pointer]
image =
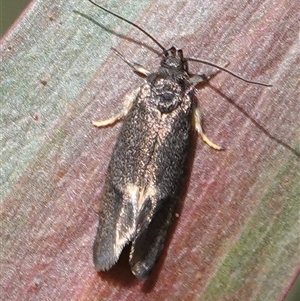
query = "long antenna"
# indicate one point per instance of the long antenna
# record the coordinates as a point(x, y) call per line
point(228, 71)
point(186, 59)
point(131, 23)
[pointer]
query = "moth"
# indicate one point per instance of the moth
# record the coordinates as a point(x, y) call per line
point(144, 176)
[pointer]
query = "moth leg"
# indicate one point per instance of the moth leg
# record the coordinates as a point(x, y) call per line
point(127, 106)
point(198, 127)
point(195, 80)
point(200, 78)
point(134, 66)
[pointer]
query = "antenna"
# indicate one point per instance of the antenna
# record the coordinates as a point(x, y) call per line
point(228, 71)
point(186, 59)
point(133, 24)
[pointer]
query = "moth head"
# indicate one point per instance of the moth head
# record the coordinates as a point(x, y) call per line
point(173, 59)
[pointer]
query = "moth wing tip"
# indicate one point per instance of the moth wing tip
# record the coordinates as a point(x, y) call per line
point(140, 269)
point(106, 264)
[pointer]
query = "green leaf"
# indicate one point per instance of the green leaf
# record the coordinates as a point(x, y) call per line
point(237, 235)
